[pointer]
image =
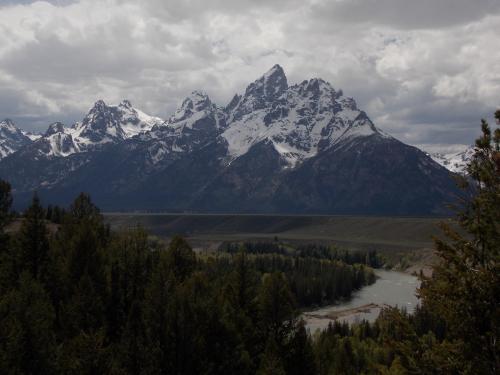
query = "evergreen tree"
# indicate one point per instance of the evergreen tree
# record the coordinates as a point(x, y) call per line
point(299, 356)
point(7, 274)
point(82, 239)
point(465, 286)
point(277, 308)
point(134, 341)
point(85, 354)
point(49, 213)
point(33, 251)
point(181, 259)
point(271, 363)
point(156, 310)
point(27, 337)
point(5, 204)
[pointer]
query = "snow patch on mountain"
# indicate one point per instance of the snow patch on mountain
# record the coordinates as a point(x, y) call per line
point(300, 120)
point(58, 141)
point(102, 125)
point(135, 121)
point(32, 136)
point(11, 138)
point(453, 157)
point(196, 121)
point(456, 162)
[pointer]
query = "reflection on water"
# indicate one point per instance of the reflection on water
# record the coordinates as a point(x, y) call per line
point(391, 288)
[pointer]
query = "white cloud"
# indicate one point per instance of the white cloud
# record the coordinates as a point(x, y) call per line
point(424, 71)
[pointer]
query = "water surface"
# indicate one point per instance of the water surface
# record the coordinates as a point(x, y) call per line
point(391, 289)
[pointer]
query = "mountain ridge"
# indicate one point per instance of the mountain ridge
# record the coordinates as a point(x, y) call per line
point(244, 157)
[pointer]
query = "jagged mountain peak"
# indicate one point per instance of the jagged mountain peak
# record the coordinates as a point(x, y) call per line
point(11, 138)
point(100, 125)
point(303, 120)
point(316, 86)
point(98, 106)
point(271, 85)
point(275, 74)
point(55, 127)
point(110, 123)
point(259, 94)
point(7, 123)
point(198, 102)
point(125, 103)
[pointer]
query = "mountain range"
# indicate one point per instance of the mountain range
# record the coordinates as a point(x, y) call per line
point(276, 148)
point(455, 161)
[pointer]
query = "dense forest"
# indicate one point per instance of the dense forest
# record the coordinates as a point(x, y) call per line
point(79, 298)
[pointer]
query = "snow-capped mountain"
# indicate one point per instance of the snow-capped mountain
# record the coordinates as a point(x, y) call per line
point(274, 148)
point(11, 138)
point(195, 122)
point(57, 141)
point(103, 124)
point(109, 124)
point(455, 162)
point(300, 120)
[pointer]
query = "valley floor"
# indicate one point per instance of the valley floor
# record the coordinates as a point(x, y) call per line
point(405, 242)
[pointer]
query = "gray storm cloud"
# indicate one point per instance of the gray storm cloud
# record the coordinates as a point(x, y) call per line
point(424, 71)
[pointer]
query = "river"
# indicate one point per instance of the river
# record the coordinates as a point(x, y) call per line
point(391, 289)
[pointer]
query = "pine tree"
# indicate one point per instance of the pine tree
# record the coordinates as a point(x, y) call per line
point(299, 354)
point(49, 213)
point(277, 307)
point(133, 344)
point(82, 238)
point(7, 274)
point(181, 259)
point(33, 251)
point(27, 337)
point(465, 286)
point(5, 204)
point(271, 363)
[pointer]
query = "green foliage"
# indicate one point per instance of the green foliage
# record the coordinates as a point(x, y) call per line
point(370, 258)
point(465, 287)
point(5, 204)
point(27, 336)
point(55, 214)
point(276, 306)
point(80, 299)
point(181, 259)
point(33, 243)
point(271, 363)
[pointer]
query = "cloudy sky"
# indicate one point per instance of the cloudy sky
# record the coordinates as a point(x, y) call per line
point(425, 71)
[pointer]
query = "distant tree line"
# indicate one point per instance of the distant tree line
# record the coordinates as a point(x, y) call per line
point(369, 257)
point(313, 282)
point(261, 247)
point(55, 214)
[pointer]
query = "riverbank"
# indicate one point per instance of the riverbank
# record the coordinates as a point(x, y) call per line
point(392, 288)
